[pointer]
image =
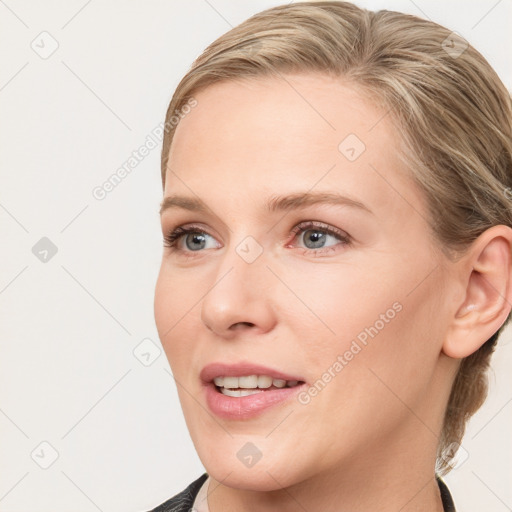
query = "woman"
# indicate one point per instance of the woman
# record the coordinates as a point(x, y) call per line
point(337, 267)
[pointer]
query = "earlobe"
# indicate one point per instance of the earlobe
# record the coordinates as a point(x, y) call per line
point(488, 293)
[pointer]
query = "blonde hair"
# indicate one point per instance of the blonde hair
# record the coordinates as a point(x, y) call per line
point(453, 113)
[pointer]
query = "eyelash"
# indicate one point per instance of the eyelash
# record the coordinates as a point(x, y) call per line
point(172, 238)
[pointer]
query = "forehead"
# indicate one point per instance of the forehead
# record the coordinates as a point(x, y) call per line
point(295, 113)
point(294, 130)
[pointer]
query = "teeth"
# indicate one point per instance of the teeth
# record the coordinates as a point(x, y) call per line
point(239, 392)
point(230, 385)
point(248, 382)
point(264, 381)
point(230, 382)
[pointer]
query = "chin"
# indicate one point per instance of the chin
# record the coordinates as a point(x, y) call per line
point(258, 478)
point(250, 462)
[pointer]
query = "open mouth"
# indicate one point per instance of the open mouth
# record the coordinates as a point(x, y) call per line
point(251, 384)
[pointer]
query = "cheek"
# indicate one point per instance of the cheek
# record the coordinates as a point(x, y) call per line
point(164, 305)
point(374, 329)
point(175, 298)
point(337, 302)
point(390, 361)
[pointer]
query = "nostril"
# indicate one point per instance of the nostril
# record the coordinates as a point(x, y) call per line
point(241, 324)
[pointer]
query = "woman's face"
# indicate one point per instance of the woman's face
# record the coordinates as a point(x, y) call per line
point(308, 259)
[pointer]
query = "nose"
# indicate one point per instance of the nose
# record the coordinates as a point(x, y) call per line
point(239, 298)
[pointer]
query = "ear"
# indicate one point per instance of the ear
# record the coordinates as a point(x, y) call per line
point(486, 271)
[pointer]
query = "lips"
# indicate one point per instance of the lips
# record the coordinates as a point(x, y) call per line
point(245, 400)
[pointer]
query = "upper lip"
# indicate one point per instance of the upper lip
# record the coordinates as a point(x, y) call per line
point(212, 370)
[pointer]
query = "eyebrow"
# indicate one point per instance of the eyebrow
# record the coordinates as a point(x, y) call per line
point(273, 204)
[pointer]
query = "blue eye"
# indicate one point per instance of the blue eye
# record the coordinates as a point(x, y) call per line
point(316, 237)
point(195, 239)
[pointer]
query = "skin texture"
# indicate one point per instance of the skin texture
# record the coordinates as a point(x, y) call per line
point(368, 440)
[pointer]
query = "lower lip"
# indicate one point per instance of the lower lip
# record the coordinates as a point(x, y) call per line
point(244, 407)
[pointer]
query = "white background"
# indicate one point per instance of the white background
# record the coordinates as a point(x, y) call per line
point(68, 327)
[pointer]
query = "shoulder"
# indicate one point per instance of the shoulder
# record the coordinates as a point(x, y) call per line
point(184, 500)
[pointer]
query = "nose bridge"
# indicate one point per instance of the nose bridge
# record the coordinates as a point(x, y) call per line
point(239, 292)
